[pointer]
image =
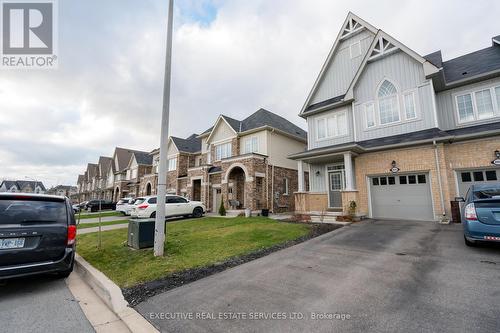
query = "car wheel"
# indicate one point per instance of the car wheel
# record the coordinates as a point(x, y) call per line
point(469, 243)
point(197, 212)
point(153, 215)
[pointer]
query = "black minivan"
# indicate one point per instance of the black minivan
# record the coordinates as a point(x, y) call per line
point(37, 235)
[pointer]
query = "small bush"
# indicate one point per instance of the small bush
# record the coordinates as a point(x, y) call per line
point(222, 209)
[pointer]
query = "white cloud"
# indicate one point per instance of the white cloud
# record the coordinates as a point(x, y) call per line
point(247, 55)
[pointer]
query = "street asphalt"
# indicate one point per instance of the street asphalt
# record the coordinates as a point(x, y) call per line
point(40, 304)
point(374, 276)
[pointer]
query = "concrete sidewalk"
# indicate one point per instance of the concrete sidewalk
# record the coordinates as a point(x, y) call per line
point(103, 219)
point(103, 228)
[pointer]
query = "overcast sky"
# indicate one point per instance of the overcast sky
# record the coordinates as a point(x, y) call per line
point(229, 57)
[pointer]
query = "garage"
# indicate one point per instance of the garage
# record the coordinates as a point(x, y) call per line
point(405, 197)
point(466, 178)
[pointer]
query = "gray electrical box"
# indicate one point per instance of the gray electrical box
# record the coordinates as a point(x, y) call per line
point(141, 233)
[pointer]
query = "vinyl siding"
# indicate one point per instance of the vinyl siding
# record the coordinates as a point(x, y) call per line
point(447, 109)
point(313, 142)
point(261, 139)
point(222, 132)
point(317, 183)
point(342, 68)
point(280, 146)
point(172, 150)
point(406, 74)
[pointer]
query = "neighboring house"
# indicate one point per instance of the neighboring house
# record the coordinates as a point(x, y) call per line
point(122, 159)
point(64, 191)
point(243, 162)
point(139, 165)
point(103, 166)
point(22, 186)
point(398, 133)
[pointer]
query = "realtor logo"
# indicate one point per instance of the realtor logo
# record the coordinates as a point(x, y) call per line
point(28, 34)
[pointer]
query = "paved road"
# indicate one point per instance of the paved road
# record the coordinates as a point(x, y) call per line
point(104, 219)
point(40, 304)
point(387, 276)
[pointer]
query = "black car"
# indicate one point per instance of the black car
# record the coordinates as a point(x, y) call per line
point(94, 206)
point(37, 235)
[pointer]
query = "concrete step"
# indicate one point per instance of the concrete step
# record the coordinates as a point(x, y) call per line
point(323, 219)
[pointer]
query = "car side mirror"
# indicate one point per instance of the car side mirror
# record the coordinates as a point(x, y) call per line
point(459, 199)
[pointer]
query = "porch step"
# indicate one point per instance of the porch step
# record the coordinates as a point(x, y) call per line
point(323, 219)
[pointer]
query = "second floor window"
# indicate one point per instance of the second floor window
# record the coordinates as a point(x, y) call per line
point(478, 105)
point(388, 103)
point(172, 164)
point(251, 145)
point(223, 151)
point(332, 126)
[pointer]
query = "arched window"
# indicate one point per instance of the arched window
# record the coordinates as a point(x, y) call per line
point(388, 103)
point(148, 189)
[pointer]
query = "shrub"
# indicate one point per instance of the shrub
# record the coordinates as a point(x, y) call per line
point(222, 209)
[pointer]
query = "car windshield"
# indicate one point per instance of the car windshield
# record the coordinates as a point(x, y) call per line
point(32, 211)
point(487, 193)
point(121, 201)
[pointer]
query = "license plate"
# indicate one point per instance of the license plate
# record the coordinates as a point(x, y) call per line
point(492, 238)
point(11, 243)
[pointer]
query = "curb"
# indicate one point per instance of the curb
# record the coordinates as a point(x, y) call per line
point(112, 296)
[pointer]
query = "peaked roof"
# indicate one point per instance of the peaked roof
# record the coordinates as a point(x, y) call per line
point(382, 44)
point(262, 118)
point(81, 178)
point(20, 184)
point(91, 170)
point(143, 158)
point(191, 144)
point(104, 164)
point(123, 156)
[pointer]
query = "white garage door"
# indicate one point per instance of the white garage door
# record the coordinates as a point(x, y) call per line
point(401, 197)
point(466, 178)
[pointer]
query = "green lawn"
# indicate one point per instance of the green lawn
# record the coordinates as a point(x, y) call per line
point(191, 243)
point(84, 216)
point(96, 224)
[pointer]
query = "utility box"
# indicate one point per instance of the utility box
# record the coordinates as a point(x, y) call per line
point(141, 233)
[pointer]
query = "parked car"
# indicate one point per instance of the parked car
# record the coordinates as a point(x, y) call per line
point(37, 235)
point(137, 202)
point(78, 207)
point(93, 205)
point(481, 214)
point(175, 206)
point(123, 205)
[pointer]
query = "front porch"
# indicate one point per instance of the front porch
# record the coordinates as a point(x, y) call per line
point(332, 185)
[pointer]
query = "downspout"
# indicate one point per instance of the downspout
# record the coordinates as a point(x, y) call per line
point(272, 173)
point(438, 167)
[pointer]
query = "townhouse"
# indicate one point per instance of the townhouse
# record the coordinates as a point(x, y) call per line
point(241, 162)
point(399, 134)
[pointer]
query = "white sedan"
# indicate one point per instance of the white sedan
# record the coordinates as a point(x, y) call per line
point(175, 206)
point(123, 205)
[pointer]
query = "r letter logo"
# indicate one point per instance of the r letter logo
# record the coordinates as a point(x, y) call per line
point(28, 34)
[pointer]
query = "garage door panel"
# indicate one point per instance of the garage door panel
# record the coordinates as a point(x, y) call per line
point(466, 178)
point(400, 200)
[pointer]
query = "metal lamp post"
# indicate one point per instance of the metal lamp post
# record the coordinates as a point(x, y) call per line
point(160, 232)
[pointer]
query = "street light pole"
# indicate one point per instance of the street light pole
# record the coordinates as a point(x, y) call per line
point(160, 232)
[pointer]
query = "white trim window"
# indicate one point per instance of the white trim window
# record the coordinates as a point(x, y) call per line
point(332, 126)
point(409, 105)
point(285, 186)
point(388, 103)
point(370, 115)
point(172, 164)
point(251, 145)
point(478, 105)
point(223, 151)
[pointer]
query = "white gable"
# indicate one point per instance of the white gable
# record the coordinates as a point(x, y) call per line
point(172, 149)
point(221, 131)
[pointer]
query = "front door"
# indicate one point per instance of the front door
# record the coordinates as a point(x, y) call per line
point(217, 197)
point(335, 186)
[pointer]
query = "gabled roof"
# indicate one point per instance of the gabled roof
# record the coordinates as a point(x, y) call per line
point(382, 45)
point(143, 157)
point(259, 119)
point(191, 144)
point(123, 156)
point(104, 164)
point(91, 170)
point(20, 184)
point(81, 178)
point(347, 26)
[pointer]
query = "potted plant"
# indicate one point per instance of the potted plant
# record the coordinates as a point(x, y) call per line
point(351, 209)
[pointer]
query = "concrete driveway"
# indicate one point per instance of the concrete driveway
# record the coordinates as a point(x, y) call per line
point(384, 275)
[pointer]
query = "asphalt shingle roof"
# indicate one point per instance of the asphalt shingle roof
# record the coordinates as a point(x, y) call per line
point(264, 117)
point(192, 144)
point(20, 184)
point(329, 101)
point(143, 158)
